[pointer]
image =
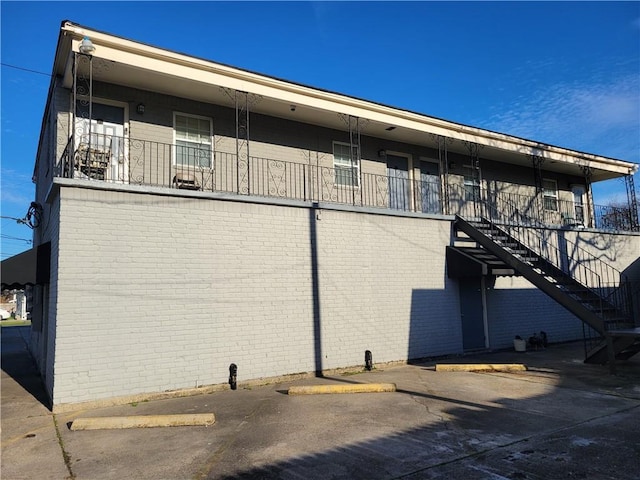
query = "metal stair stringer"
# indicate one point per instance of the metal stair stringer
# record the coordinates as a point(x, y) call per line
point(537, 279)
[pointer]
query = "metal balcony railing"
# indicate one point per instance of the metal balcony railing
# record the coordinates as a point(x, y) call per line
point(122, 160)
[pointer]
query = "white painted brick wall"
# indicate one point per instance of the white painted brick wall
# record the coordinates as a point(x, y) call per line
point(158, 293)
point(516, 307)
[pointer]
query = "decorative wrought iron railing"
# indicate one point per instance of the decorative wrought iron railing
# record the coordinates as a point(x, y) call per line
point(197, 167)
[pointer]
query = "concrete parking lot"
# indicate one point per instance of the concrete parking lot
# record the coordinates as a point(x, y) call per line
point(561, 419)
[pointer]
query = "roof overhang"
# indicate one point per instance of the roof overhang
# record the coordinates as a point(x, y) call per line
point(125, 62)
point(27, 268)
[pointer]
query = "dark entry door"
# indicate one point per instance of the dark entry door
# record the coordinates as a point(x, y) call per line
point(472, 313)
point(398, 174)
point(429, 187)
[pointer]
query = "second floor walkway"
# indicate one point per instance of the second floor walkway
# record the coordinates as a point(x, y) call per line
point(141, 162)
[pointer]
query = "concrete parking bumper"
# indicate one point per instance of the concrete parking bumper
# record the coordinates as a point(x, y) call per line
point(143, 421)
point(480, 367)
point(350, 388)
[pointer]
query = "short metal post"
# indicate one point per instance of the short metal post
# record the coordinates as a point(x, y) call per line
point(368, 360)
point(233, 373)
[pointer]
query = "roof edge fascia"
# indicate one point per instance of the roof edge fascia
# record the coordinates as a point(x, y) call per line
point(458, 130)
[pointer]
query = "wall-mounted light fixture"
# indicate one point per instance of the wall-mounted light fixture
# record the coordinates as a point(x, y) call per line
point(140, 109)
point(382, 153)
point(86, 46)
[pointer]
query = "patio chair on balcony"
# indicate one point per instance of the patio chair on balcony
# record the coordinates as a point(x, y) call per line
point(185, 181)
point(93, 160)
point(571, 221)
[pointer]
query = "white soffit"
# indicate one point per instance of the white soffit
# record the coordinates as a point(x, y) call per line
point(168, 71)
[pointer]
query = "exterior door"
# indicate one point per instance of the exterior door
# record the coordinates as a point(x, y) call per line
point(398, 175)
point(429, 187)
point(99, 143)
point(472, 313)
point(578, 203)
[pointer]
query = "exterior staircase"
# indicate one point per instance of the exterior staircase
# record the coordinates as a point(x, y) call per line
point(592, 290)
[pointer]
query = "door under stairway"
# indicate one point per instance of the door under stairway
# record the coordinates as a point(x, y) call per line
point(472, 313)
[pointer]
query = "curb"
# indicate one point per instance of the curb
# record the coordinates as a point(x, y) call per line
point(481, 367)
point(351, 388)
point(143, 421)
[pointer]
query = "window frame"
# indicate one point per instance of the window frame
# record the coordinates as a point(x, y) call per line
point(348, 166)
point(176, 140)
point(579, 207)
point(549, 199)
point(471, 187)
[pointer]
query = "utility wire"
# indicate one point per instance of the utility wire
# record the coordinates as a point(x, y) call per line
point(9, 237)
point(24, 69)
point(19, 220)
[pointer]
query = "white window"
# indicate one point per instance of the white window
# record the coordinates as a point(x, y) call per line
point(193, 140)
point(471, 188)
point(578, 201)
point(347, 169)
point(550, 194)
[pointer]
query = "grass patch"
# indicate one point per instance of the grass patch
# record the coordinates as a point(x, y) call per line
point(12, 322)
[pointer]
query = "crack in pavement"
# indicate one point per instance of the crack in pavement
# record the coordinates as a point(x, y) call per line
point(204, 472)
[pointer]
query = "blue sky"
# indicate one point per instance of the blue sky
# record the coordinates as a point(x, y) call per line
point(561, 73)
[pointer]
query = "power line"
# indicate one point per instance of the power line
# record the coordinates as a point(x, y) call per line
point(24, 69)
point(21, 221)
point(9, 237)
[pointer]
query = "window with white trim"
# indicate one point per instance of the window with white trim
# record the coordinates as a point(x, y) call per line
point(193, 140)
point(550, 194)
point(471, 188)
point(347, 170)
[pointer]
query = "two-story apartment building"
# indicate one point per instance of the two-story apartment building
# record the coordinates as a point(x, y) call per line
point(199, 215)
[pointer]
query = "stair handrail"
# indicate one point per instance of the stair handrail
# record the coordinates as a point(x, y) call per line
point(524, 236)
point(64, 166)
point(585, 275)
point(580, 257)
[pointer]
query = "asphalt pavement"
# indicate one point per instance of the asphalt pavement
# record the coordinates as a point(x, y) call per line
point(560, 419)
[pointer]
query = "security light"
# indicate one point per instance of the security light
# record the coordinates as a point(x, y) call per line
point(86, 47)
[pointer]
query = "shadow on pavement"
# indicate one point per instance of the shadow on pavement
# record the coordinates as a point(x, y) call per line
point(574, 428)
point(17, 362)
point(475, 442)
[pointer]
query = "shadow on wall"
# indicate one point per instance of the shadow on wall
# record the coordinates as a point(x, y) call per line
point(435, 327)
point(525, 311)
point(606, 247)
point(632, 273)
point(315, 285)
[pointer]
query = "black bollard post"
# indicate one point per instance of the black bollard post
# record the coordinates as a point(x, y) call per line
point(233, 373)
point(368, 360)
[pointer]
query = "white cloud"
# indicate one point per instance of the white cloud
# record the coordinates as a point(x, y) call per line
point(15, 198)
point(17, 188)
point(602, 118)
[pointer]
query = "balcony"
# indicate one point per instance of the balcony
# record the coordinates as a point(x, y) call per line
point(141, 162)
